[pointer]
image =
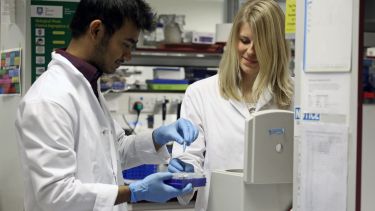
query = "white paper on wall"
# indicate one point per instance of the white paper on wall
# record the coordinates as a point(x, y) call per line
point(325, 93)
point(323, 161)
point(328, 36)
point(8, 11)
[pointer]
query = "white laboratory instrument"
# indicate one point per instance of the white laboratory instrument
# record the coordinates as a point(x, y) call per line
point(265, 183)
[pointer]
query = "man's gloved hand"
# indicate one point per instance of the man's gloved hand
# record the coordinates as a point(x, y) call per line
point(180, 131)
point(177, 165)
point(152, 188)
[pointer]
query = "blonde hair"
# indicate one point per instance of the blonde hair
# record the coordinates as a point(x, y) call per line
point(266, 21)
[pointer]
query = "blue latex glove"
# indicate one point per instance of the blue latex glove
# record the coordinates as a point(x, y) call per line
point(181, 131)
point(152, 188)
point(177, 165)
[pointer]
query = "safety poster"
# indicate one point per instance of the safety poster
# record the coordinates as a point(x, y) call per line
point(49, 31)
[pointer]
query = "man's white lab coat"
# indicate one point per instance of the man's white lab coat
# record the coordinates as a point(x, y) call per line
point(221, 126)
point(72, 152)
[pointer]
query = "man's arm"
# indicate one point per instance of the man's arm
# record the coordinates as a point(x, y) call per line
point(123, 195)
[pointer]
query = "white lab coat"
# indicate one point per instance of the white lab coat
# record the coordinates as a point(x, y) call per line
point(221, 131)
point(72, 151)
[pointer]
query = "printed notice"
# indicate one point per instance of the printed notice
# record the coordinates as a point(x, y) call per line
point(323, 167)
point(328, 36)
point(327, 93)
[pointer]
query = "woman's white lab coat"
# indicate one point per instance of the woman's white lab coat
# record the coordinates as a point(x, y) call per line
point(221, 130)
point(72, 152)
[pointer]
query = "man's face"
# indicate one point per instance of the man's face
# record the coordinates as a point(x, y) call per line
point(111, 52)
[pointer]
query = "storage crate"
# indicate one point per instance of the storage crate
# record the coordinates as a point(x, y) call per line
point(139, 172)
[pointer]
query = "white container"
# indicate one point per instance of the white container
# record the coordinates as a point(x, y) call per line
point(203, 38)
point(370, 52)
point(172, 33)
point(175, 73)
point(222, 32)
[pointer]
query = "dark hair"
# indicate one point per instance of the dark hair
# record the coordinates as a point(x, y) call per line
point(113, 14)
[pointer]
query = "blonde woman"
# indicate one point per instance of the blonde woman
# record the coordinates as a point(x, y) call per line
point(253, 76)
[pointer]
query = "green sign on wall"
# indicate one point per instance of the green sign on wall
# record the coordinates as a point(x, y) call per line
point(49, 30)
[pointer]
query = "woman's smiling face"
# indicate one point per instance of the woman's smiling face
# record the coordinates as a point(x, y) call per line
point(246, 51)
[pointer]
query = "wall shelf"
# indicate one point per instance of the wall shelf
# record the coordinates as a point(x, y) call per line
point(182, 59)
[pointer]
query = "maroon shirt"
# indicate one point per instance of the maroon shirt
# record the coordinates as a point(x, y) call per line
point(89, 71)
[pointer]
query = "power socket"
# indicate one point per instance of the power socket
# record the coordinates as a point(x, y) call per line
point(147, 101)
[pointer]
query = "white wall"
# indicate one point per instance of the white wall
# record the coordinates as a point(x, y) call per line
point(119, 105)
point(11, 184)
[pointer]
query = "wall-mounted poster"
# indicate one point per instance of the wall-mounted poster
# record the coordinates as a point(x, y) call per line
point(49, 30)
point(10, 71)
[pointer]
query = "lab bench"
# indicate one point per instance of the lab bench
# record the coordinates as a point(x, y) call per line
point(169, 206)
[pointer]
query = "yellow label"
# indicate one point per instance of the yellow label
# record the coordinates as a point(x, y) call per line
point(15, 79)
point(290, 17)
point(17, 60)
point(58, 32)
point(58, 42)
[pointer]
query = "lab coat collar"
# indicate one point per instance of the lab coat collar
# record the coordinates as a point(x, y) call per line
point(89, 71)
point(264, 99)
point(58, 59)
point(241, 106)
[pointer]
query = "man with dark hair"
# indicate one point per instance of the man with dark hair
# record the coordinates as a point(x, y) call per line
point(113, 14)
point(72, 151)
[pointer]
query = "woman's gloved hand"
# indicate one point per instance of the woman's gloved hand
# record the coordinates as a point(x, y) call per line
point(152, 188)
point(181, 131)
point(177, 165)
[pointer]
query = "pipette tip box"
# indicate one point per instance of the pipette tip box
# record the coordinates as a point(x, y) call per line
point(180, 180)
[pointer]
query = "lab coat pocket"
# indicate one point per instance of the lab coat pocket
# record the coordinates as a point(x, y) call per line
point(101, 156)
point(110, 150)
